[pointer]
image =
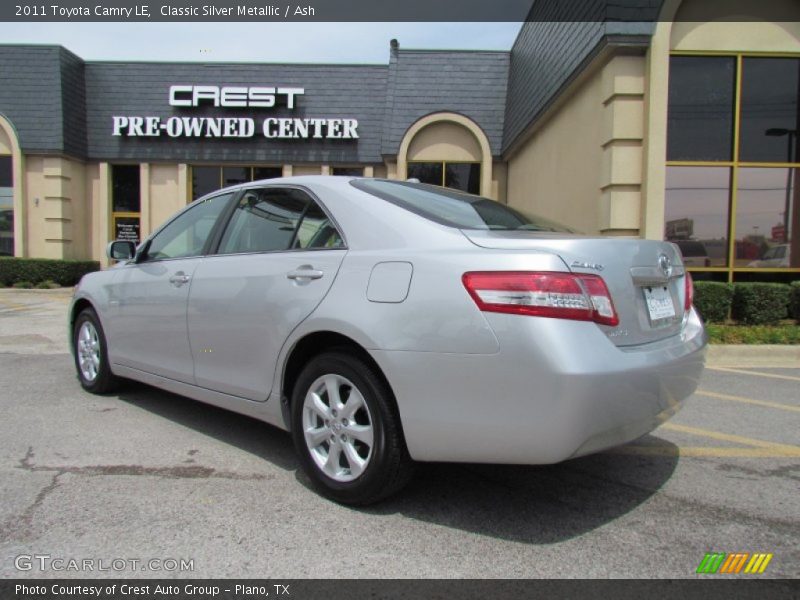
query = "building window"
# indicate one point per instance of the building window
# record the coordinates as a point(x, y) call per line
point(732, 162)
point(126, 202)
point(348, 171)
point(207, 179)
point(464, 176)
point(6, 206)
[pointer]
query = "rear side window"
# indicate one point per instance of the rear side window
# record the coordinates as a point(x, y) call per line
point(456, 209)
point(274, 219)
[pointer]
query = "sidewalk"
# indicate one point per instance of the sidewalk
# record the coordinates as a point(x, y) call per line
point(35, 322)
point(744, 355)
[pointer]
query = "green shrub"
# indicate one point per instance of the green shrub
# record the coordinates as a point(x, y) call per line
point(760, 303)
point(794, 301)
point(47, 285)
point(753, 334)
point(22, 285)
point(37, 270)
point(712, 300)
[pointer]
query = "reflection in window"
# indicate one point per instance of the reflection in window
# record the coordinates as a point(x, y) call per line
point(427, 172)
point(204, 181)
point(459, 176)
point(235, 175)
point(6, 207)
point(766, 219)
point(125, 188)
point(696, 214)
point(701, 99)
point(207, 179)
point(770, 118)
point(187, 234)
point(260, 173)
point(463, 176)
point(264, 221)
point(317, 231)
point(348, 171)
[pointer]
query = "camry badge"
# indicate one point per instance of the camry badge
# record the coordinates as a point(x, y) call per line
point(585, 265)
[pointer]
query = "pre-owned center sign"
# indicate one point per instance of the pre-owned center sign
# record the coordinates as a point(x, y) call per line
point(191, 96)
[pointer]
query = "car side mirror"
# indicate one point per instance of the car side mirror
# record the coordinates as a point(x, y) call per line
point(121, 250)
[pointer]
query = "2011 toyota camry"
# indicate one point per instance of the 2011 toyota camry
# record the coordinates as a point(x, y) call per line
point(387, 322)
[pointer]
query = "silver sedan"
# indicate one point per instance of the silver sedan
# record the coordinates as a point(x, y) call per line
point(386, 322)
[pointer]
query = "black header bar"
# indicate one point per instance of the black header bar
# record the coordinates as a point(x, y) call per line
point(358, 589)
point(25, 11)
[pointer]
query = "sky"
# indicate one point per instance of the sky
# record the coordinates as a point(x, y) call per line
point(258, 42)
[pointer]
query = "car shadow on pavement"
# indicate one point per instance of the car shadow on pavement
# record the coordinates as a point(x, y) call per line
point(536, 504)
point(529, 504)
point(257, 438)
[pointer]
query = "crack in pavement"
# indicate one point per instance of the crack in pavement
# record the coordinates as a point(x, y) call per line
point(20, 526)
point(174, 472)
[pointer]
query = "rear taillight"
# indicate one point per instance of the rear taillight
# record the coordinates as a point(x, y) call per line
point(688, 292)
point(542, 294)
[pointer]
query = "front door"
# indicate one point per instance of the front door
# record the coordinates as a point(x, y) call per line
point(147, 300)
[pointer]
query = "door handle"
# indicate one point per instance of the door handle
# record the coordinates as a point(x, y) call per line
point(179, 279)
point(304, 273)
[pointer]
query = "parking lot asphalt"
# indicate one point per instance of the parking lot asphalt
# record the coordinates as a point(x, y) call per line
point(146, 475)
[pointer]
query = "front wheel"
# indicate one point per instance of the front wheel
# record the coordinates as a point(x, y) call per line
point(91, 354)
point(346, 430)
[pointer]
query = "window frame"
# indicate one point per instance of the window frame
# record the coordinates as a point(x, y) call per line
point(141, 256)
point(227, 217)
point(735, 165)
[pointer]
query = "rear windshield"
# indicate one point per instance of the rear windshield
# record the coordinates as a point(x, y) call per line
point(455, 209)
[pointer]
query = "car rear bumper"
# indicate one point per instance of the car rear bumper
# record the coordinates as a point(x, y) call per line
point(556, 389)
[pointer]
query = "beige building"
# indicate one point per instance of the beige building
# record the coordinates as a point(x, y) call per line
point(683, 127)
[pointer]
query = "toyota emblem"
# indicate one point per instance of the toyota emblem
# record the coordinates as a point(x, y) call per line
point(665, 264)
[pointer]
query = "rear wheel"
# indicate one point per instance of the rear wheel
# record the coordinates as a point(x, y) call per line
point(346, 430)
point(91, 355)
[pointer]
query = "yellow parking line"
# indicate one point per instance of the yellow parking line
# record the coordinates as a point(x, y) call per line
point(5, 305)
point(757, 373)
point(748, 400)
point(783, 449)
point(705, 451)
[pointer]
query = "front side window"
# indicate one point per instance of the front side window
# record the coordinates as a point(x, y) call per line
point(6, 207)
point(275, 219)
point(187, 234)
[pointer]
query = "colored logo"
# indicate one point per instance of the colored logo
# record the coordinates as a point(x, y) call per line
point(720, 562)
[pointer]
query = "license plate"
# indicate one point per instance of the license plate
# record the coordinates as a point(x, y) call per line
point(659, 303)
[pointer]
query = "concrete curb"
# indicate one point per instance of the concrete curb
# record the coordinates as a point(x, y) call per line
point(753, 355)
point(719, 355)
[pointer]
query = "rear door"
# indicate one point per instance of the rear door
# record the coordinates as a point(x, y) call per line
point(277, 259)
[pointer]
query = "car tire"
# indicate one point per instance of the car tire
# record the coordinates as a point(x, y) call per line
point(91, 354)
point(347, 431)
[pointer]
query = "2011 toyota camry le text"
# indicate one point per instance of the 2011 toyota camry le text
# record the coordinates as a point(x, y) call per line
point(388, 322)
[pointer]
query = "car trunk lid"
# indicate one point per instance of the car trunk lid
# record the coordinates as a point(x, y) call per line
point(645, 277)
